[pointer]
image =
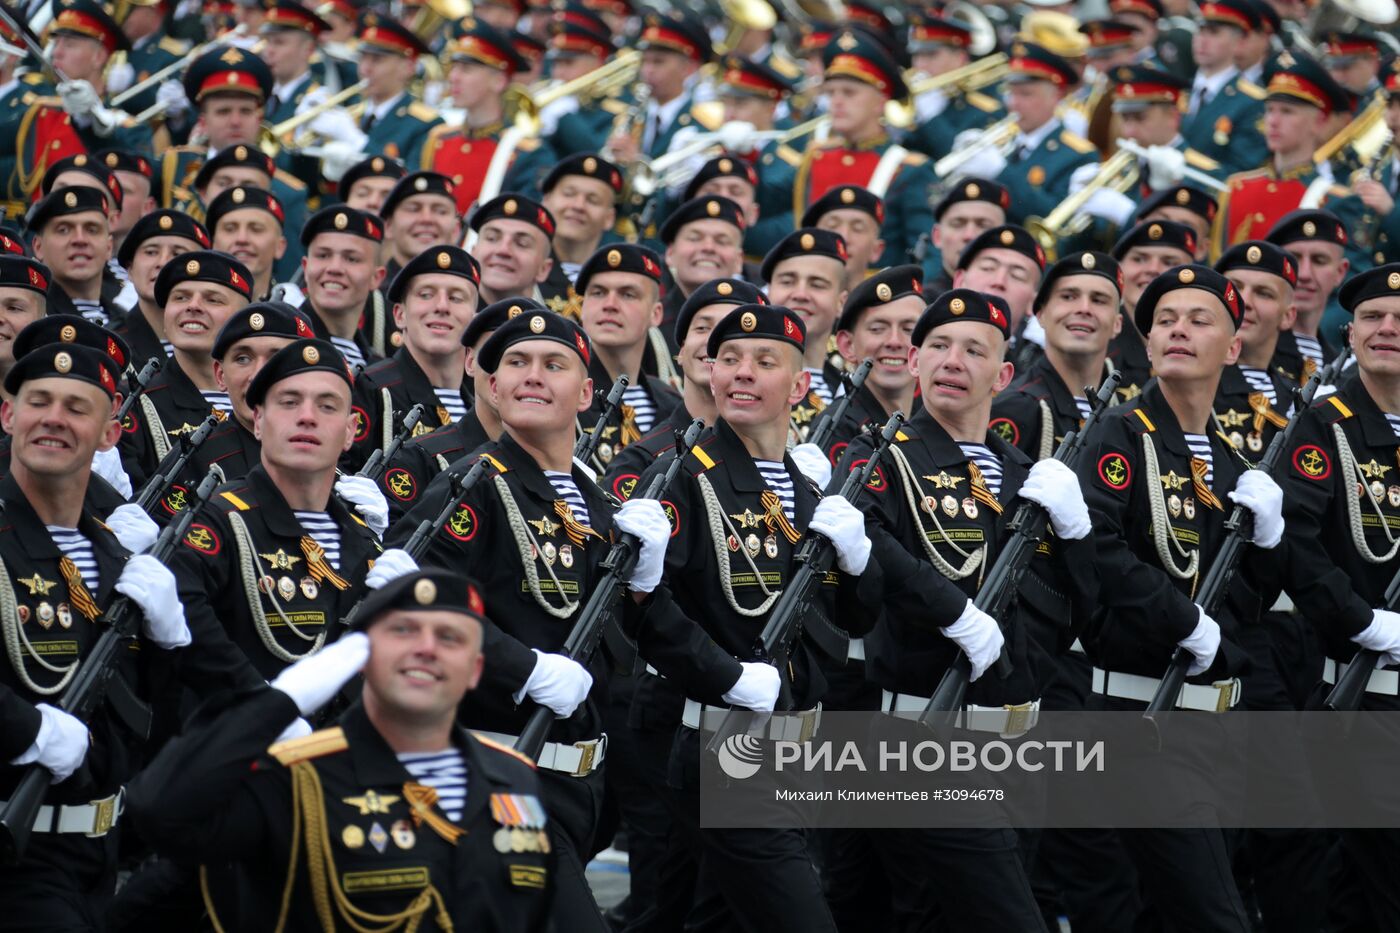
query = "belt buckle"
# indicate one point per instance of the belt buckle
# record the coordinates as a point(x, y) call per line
point(1226, 690)
point(104, 817)
point(809, 725)
point(1017, 717)
point(587, 752)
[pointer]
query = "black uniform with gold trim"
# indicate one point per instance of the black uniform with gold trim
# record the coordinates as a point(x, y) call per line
point(1036, 413)
point(623, 428)
point(1246, 414)
point(219, 794)
point(419, 461)
point(384, 393)
point(170, 407)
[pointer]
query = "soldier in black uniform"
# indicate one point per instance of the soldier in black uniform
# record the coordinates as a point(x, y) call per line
point(704, 239)
point(72, 236)
point(1317, 242)
point(1143, 253)
point(1341, 504)
point(513, 247)
point(157, 238)
point(24, 290)
point(419, 212)
point(857, 214)
point(434, 298)
point(248, 223)
point(739, 499)
point(581, 191)
point(365, 821)
point(197, 294)
point(621, 286)
point(1077, 309)
point(367, 184)
point(1158, 477)
point(1007, 261)
point(70, 564)
point(342, 273)
point(972, 206)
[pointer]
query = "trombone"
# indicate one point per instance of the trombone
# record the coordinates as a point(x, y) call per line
point(1000, 135)
point(970, 77)
point(1119, 172)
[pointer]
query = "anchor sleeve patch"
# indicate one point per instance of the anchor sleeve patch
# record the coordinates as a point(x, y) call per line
point(400, 484)
point(203, 539)
point(463, 524)
point(624, 485)
point(1006, 429)
point(1114, 471)
point(1312, 461)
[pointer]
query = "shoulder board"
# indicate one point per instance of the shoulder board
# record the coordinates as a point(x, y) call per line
point(788, 154)
point(33, 77)
point(504, 749)
point(784, 66)
point(1247, 176)
point(1138, 422)
point(699, 455)
point(315, 745)
point(1077, 143)
point(709, 114)
point(982, 101)
point(1250, 89)
point(497, 465)
point(173, 46)
point(234, 501)
point(1201, 161)
point(528, 144)
point(1339, 410)
point(421, 111)
point(290, 180)
point(914, 158)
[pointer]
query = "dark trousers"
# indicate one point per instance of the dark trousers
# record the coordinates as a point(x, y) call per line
point(63, 885)
point(573, 805)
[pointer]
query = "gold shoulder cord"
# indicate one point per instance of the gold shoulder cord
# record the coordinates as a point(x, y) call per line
point(720, 529)
point(1358, 532)
point(250, 569)
point(910, 484)
point(17, 644)
point(1163, 535)
point(309, 809)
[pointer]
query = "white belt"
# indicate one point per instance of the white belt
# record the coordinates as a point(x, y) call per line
point(793, 726)
point(855, 649)
point(1009, 721)
point(1386, 683)
point(579, 759)
point(91, 819)
point(1214, 698)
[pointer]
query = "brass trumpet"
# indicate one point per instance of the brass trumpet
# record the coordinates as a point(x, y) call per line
point(1000, 135)
point(158, 77)
point(1119, 172)
point(272, 136)
point(970, 77)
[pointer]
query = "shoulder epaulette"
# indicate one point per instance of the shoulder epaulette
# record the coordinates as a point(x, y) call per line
point(1340, 411)
point(709, 114)
point(504, 749)
point(317, 744)
point(784, 66)
point(698, 454)
point(982, 101)
point(421, 111)
point(1137, 418)
point(497, 465)
point(33, 77)
point(1248, 175)
point(1199, 160)
point(173, 46)
point(1251, 89)
point(914, 158)
point(788, 154)
point(234, 501)
point(1077, 143)
point(290, 180)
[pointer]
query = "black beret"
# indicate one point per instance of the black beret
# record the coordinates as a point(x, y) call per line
point(1157, 233)
point(589, 166)
point(1004, 237)
point(77, 199)
point(716, 292)
point(342, 219)
point(161, 223)
point(1377, 282)
point(238, 198)
point(974, 189)
point(239, 156)
point(228, 71)
point(541, 325)
point(620, 257)
point(768, 322)
point(262, 319)
point(1305, 224)
point(708, 207)
point(204, 266)
point(963, 304)
point(418, 183)
point(20, 271)
point(303, 356)
point(422, 590)
point(845, 197)
point(804, 241)
point(884, 286)
point(12, 242)
point(89, 166)
point(1261, 255)
point(1086, 262)
point(1192, 199)
point(513, 207)
point(724, 165)
point(72, 328)
point(449, 260)
point(71, 361)
point(1188, 276)
point(374, 167)
point(495, 314)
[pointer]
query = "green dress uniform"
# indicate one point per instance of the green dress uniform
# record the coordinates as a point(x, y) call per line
point(1226, 127)
point(1384, 231)
point(776, 164)
point(401, 132)
point(1039, 180)
point(305, 169)
point(586, 129)
point(15, 104)
point(971, 111)
point(147, 56)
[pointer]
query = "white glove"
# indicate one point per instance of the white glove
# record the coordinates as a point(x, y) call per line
point(1113, 206)
point(108, 465)
point(392, 564)
point(151, 585)
point(79, 98)
point(844, 524)
point(337, 158)
point(1257, 491)
point(1055, 486)
point(120, 77)
point(813, 463)
point(988, 162)
point(1203, 642)
point(312, 681)
point(979, 637)
point(757, 687)
point(1082, 176)
point(363, 493)
point(929, 105)
point(61, 745)
point(296, 730)
point(336, 124)
point(1383, 635)
point(1165, 167)
point(646, 519)
point(133, 527)
point(172, 95)
point(557, 682)
point(737, 136)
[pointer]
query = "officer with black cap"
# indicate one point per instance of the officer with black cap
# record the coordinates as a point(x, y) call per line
point(704, 239)
point(157, 239)
point(225, 789)
point(1143, 253)
point(72, 236)
point(343, 271)
point(512, 244)
point(248, 223)
point(1317, 241)
point(1160, 482)
point(621, 309)
point(581, 192)
point(970, 207)
point(857, 215)
point(539, 518)
point(434, 298)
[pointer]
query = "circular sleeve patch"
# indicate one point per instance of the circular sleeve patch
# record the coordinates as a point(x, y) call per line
point(1005, 429)
point(837, 450)
point(400, 484)
point(672, 516)
point(1312, 461)
point(463, 524)
point(877, 482)
point(361, 423)
point(130, 424)
point(1115, 472)
point(176, 499)
point(203, 539)
point(625, 485)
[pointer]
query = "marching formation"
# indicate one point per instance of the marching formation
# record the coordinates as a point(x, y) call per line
point(418, 416)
